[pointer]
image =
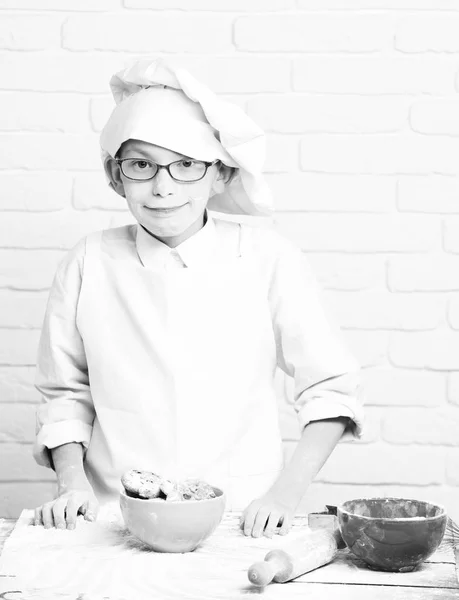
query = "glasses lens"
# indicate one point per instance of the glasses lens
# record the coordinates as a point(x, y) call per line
point(188, 170)
point(137, 168)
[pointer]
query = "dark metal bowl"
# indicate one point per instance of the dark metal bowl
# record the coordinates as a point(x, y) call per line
point(392, 534)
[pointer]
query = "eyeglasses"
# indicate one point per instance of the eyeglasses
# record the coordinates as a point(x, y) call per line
point(184, 170)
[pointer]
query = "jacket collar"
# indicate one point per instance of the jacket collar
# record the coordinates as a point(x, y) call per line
point(194, 251)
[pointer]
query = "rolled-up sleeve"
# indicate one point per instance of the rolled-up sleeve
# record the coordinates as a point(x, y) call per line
point(66, 412)
point(310, 347)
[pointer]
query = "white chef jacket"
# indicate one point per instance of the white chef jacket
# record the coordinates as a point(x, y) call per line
point(164, 359)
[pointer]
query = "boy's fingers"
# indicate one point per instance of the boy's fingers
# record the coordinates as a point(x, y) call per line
point(71, 512)
point(37, 520)
point(90, 510)
point(260, 522)
point(59, 513)
point(250, 519)
point(272, 523)
point(242, 519)
point(285, 527)
point(47, 515)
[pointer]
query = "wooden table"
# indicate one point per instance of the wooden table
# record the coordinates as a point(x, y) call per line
point(438, 580)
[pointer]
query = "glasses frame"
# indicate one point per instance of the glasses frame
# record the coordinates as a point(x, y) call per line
point(207, 164)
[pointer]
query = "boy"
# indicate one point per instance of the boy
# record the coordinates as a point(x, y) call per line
point(161, 339)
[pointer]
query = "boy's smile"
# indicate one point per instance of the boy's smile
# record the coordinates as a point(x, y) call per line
point(170, 210)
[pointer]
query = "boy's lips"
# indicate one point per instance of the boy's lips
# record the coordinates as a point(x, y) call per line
point(164, 210)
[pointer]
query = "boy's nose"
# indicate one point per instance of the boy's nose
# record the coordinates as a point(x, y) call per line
point(163, 184)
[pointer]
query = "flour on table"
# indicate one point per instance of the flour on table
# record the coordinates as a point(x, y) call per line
point(102, 559)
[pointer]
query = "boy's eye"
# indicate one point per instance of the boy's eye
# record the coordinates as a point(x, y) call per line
point(141, 164)
point(186, 163)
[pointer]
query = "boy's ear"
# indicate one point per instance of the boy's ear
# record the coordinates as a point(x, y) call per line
point(224, 176)
point(113, 172)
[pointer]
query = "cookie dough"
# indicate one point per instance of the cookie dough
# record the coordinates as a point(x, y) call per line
point(148, 485)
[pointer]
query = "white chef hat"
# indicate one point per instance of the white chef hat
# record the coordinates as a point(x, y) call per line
point(166, 106)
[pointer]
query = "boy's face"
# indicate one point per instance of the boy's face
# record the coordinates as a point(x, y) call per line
point(171, 210)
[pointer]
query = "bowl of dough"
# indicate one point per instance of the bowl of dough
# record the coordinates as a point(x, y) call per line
point(167, 515)
point(392, 534)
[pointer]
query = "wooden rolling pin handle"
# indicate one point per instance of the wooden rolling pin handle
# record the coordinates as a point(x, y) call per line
point(276, 563)
point(316, 549)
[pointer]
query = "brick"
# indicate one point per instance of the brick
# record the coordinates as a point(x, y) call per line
point(225, 76)
point(17, 385)
point(238, 75)
point(453, 312)
point(66, 72)
point(23, 310)
point(369, 347)
point(425, 350)
point(29, 111)
point(18, 464)
point(29, 32)
point(441, 494)
point(324, 113)
point(310, 33)
point(359, 233)
point(62, 5)
point(453, 388)
point(399, 387)
point(221, 5)
point(150, 33)
point(379, 154)
point(385, 310)
point(450, 235)
point(61, 229)
point(450, 500)
point(19, 191)
point(426, 426)
point(439, 116)
point(17, 422)
point(319, 495)
point(91, 190)
point(428, 194)
point(27, 269)
point(428, 33)
point(372, 4)
point(452, 467)
point(18, 347)
point(384, 464)
point(16, 497)
point(432, 273)
point(374, 75)
point(100, 110)
point(349, 272)
point(50, 151)
point(282, 154)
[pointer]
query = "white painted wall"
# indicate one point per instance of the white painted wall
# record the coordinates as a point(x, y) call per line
point(360, 103)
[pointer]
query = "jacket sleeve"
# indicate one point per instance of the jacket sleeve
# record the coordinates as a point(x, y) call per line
point(310, 348)
point(66, 412)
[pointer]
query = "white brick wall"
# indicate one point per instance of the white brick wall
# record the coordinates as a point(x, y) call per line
point(359, 99)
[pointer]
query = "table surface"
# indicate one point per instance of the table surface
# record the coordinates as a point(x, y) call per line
point(439, 581)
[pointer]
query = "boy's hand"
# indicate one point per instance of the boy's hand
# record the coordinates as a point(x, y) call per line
point(62, 512)
point(264, 514)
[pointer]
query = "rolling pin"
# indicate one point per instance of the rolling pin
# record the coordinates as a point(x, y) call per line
point(316, 547)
